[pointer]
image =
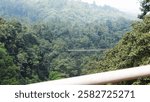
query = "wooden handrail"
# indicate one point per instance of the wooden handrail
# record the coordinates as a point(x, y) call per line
point(103, 78)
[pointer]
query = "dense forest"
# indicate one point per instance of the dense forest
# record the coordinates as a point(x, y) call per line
point(132, 50)
point(39, 39)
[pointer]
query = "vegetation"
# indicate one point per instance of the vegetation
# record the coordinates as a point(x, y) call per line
point(145, 8)
point(36, 47)
point(131, 51)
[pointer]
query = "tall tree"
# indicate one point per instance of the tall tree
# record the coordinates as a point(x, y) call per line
point(145, 8)
point(9, 72)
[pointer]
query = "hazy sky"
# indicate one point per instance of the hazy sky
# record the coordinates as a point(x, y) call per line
point(131, 6)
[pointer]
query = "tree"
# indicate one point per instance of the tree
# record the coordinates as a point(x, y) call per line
point(40, 49)
point(9, 72)
point(145, 8)
point(132, 50)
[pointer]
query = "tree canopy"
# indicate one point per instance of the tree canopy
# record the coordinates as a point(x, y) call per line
point(145, 8)
point(58, 39)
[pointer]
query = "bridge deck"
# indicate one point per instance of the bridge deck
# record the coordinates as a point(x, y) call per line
point(86, 50)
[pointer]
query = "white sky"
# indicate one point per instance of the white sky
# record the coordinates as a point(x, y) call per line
point(130, 6)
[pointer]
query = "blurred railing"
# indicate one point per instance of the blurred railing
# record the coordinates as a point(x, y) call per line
point(103, 78)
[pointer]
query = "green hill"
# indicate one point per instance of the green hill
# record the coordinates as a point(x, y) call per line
point(132, 50)
point(47, 40)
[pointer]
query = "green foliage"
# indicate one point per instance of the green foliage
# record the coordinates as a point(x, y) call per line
point(36, 45)
point(132, 50)
point(145, 8)
point(8, 70)
point(54, 75)
point(37, 10)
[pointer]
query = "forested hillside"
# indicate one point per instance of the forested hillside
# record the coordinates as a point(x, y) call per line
point(132, 50)
point(38, 39)
point(36, 36)
point(47, 10)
